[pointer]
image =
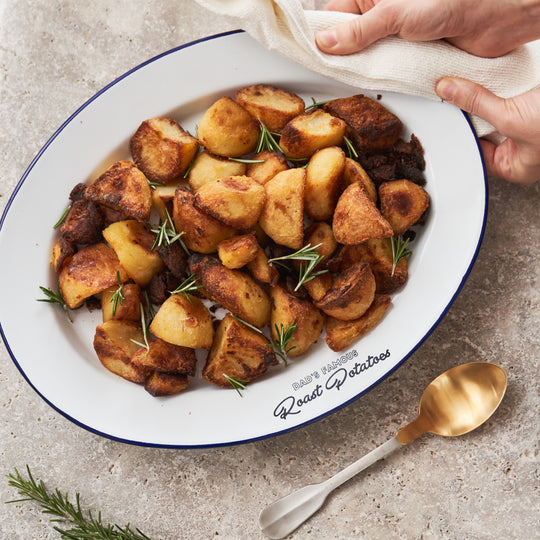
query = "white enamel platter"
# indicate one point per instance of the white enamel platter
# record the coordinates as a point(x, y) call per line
point(57, 358)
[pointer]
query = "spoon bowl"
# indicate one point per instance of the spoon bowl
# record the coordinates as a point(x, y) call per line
point(456, 402)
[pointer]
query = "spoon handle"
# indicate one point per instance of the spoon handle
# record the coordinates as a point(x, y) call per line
point(283, 516)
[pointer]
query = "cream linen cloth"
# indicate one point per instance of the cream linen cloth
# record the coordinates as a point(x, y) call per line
point(391, 64)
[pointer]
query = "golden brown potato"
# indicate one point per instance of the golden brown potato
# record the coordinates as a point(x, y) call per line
point(371, 126)
point(114, 345)
point(274, 107)
point(162, 149)
point(282, 217)
point(318, 286)
point(166, 357)
point(62, 251)
point(238, 251)
point(321, 233)
point(261, 270)
point(288, 310)
point(354, 172)
point(90, 271)
point(161, 384)
point(309, 132)
point(262, 172)
point(207, 168)
point(238, 352)
point(163, 200)
point(342, 334)
point(125, 308)
point(324, 182)
point(403, 203)
point(232, 289)
point(236, 201)
point(357, 219)
point(132, 242)
point(351, 294)
point(228, 130)
point(124, 188)
point(183, 320)
point(202, 232)
point(83, 223)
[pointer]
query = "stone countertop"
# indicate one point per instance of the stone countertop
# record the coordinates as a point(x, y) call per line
point(54, 55)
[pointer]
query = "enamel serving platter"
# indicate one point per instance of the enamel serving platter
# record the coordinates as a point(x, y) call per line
point(57, 358)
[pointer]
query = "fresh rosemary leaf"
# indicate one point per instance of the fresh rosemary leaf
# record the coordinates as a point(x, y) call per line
point(351, 150)
point(306, 272)
point(118, 295)
point(281, 342)
point(247, 161)
point(237, 384)
point(188, 286)
point(144, 330)
point(55, 298)
point(247, 324)
point(316, 104)
point(267, 140)
point(399, 250)
point(166, 234)
point(62, 218)
point(79, 524)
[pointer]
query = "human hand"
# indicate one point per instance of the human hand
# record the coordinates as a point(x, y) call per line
point(517, 158)
point(487, 28)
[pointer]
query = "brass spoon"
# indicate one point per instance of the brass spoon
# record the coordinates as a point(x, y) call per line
point(456, 402)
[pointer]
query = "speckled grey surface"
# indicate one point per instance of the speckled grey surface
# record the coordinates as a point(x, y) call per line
point(54, 55)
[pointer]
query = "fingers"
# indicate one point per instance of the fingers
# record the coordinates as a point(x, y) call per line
point(355, 35)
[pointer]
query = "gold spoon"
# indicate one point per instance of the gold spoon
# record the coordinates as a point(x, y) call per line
point(456, 402)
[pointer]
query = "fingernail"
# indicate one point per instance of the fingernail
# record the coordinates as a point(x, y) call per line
point(446, 89)
point(327, 39)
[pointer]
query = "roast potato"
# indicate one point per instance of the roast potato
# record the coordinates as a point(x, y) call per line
point(206, 168)
point(166, 357)
point(238, 251)
point(261, 270)
point(62, 251)
point(83, 223)
point(272, 163)
point(126, 308)
point(354, 172)
point(161, 384)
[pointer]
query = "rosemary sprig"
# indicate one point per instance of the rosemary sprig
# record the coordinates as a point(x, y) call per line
point(118, 295)
point(149, 307)
point(62, 217)
point(351, 150)
point(62, 511)
point(280, 343)
point(166, 234)
point(306, 272)
point(267, 140)
point(258, 330)
point(188, 286)
point(246, 161)
point(55, 298)
point(145, 328)
point(399, 250)
point(316, 104)
point(237, 384)
point(154, 185)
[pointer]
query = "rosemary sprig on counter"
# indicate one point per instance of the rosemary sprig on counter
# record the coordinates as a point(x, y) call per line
point(79, 524)
point(55, 298)
point(310, 259)
point(399, 250)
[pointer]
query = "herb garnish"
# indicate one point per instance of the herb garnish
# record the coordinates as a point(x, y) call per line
point(351, 150)
point(166, 234)
point(306, 271)
point(281, 342)
point(316, 104)
point(55, 298)
point(118, 295)
point(62, 218)
point(399, 250)
point(188, 286)
point(144, 330)
point(267, 140)
point(246, 161)
point(237, 384)
point(62, 510)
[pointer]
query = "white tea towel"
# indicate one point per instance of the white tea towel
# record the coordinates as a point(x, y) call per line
point(391, 64)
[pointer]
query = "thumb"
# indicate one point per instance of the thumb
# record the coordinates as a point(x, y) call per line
point(355, 35)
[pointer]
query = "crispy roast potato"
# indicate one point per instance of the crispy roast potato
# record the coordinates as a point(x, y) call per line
point(228, 130)
point(261, 270)
point(233, 289)
point(282, 217)
point(288, 310)
point(62, 251)
point(274, 107)
point(114, 346)
point(354, 172)
point(238, 251)
point(403, 203)
point(371, 126)
point(128, 307)
point(90, 271)
point(238, 352)
point(324, 182)
point(161, 384)
point(207, 168)
point(132, 242)
point(351, 294)
point(183, 320)
point(342, 334)
point(321, 233)
point(163, 200)
point(202, 232)
point(166, 357)
point(83, 223)
point(357, 219)
point(162, 149)
point(309, 132)
point(262, 172)
point(318, 286)
point(236, 201)
point(124, 188)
